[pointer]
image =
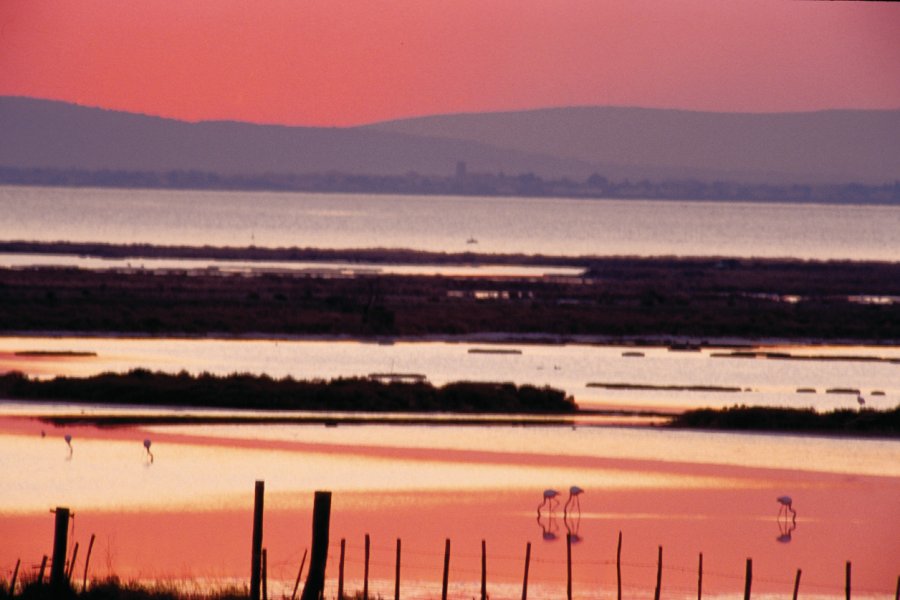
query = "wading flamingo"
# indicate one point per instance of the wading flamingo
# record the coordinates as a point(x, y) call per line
point(574, 492)
point(147, 447)
point(68, 438)
point(786, 505)
point(549, 499)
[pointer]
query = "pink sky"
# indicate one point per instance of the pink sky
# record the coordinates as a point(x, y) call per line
point(341, 62)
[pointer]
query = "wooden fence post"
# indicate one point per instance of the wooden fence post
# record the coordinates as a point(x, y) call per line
point(700, 578)
point(341, 571)
point(300, 571)
point(797, 583)
point(72, 562)
point(60, 541)
point(658, 575)
point(366, 572)
point(264, 576)
point(397, 573)
point(87, 562)
point(483, 570)
point(41, 572)
point(748, 579)
point(527, 563)
point(12, 583)
point(569, 566)
point(619, 568)
point(315, 580)
point(256, 541)
point(847, 584)
point(446, 569)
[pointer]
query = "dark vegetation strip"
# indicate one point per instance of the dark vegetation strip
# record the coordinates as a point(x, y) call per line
point(255, 253)
point(141, 387)
point(754, 418)
point(664, 387)
point(626, 298)
point(114, 589)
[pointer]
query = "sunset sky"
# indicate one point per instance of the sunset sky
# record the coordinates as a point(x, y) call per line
point(340, 62)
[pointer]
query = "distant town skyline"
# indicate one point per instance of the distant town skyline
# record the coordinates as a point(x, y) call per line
point(340, 63)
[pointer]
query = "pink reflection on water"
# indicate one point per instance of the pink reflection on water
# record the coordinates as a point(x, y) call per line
point(727, 512)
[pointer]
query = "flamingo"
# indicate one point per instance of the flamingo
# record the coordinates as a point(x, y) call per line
point(68, 438)
point(860, 400)
point(549, 499)
point(574, 492)
point(147, 447)
point(786, 505)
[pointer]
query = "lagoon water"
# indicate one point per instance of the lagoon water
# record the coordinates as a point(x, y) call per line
point(552, 226)
point(186, 516)
point(570, 367)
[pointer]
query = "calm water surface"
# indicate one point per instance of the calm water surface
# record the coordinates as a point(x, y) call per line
point(501, 225)
point(764, 382)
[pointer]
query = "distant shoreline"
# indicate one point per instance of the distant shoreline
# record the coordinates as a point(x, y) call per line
point(524, 186)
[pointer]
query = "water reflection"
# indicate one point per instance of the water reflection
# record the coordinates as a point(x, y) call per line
point(549, 526)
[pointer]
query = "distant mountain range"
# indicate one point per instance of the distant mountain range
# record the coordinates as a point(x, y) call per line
point(836, 146)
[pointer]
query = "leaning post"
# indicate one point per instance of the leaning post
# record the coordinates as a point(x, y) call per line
point(315, 579)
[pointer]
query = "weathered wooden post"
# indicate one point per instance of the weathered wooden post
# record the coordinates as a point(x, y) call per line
point(748, 579)
point(60, 542)
point(700, 578)
point(619, 568)
point(397, 573)
point(40, 580)
point(72, 562)
point(300, 571)
point(569, 566)
point(847, 584)
point(527, 563)
point(483, 570)
point(658, 575)
point(265, 575)
point(256, 542)
point(797, 583)
point(341, 571)
point(12, 583)
point(315, 580)
point(446, 569)
point(87, 562)
point(366, 572)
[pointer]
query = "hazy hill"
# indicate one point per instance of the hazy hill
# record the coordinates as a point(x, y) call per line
point(829, 146)
point(48, 134)
point(826, 146)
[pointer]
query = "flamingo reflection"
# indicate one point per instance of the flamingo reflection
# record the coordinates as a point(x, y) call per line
point(785, 529)
point(548, 526)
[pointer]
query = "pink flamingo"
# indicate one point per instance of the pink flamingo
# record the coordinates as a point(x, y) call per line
point(574, 492)
point(549, 499)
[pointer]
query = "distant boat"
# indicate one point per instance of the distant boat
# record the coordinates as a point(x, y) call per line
point(471, 240)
